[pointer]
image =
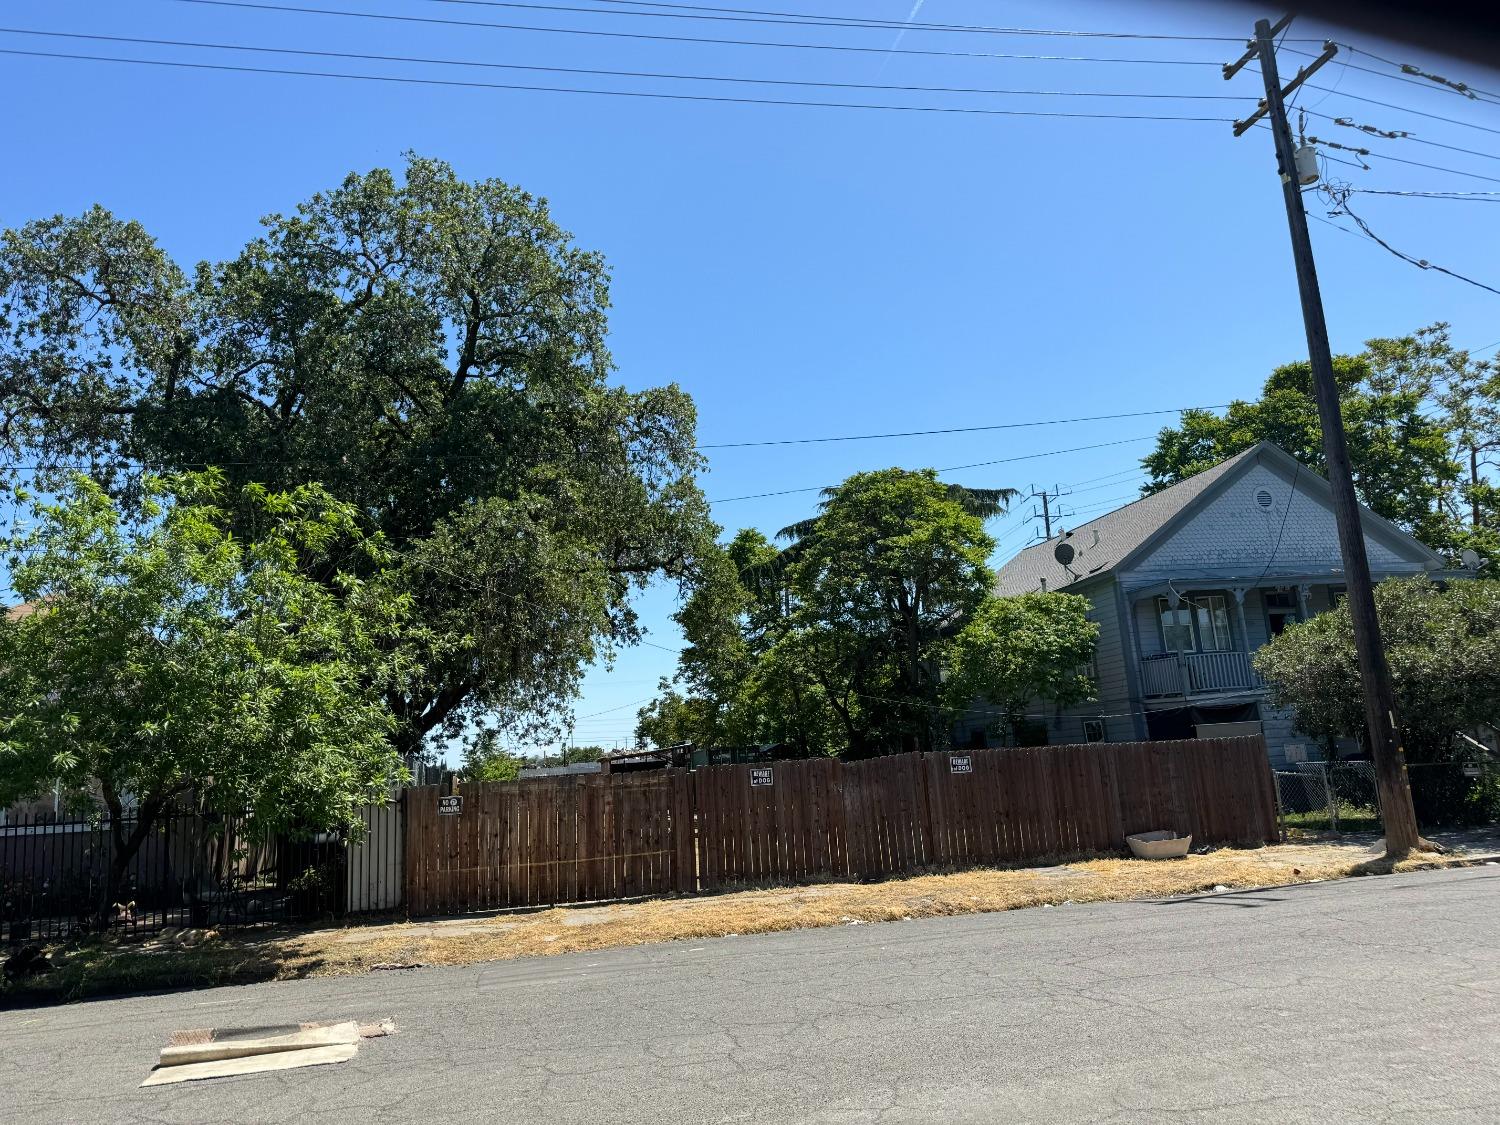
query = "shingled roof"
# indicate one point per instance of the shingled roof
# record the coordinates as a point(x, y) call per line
point(1120, 532)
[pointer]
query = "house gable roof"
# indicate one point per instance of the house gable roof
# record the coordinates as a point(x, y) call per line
point(1126, 534)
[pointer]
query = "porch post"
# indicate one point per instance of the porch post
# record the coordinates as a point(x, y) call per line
point(1239, 611)
point(1125, 607)
point(1174, 601)
point(1304, 593)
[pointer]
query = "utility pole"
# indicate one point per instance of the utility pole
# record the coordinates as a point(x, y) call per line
point(1045, 515)
point(1401, 835)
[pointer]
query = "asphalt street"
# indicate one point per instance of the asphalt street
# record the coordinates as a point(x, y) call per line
point(1367, 1000)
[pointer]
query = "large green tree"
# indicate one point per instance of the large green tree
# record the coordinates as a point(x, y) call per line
point(834, 643)
point(1020, 652)
point(1468, 391)
point(166, 659)
point(432, 351)
point(1399, 444)
point(1443, 645)
point(895, 564)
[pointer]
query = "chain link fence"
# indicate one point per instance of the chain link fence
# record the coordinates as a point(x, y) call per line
point(1328, 797)
point(1343, 796)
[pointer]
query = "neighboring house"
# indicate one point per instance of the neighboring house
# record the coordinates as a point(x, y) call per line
point(1187, 583)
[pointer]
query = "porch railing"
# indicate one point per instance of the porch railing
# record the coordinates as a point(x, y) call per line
point(1197, 673)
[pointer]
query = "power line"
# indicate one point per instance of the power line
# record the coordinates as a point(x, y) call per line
point(808, 19)
point(1362, 151)
point(1462, 88)
point(1403, 109)
point(1106, 476)
point(359, 56)
point(730, 499)
point(681, 38)
point(1032, 456)
point(1100, 505)
point(1426, 85)
point(1114, 482)
point(1340, 200)
point(952, 468)
point(715, 98)
point(608, 710)
point(1472, 196)
point(1341, 160)
point(958, 429)
point(447, 457)
point(1348, 123)
point(1419, 164)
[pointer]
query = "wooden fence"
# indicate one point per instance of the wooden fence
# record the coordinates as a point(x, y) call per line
point(549, 840)
point(591, 837)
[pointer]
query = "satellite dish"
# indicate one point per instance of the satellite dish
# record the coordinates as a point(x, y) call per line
point(1471, 559)
point(1064, 552)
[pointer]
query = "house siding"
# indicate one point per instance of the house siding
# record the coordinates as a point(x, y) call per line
point(1112, 683)
point(1232, 536)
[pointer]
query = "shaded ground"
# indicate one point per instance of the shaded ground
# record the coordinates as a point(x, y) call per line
point(196, 960)
point(1348, 1000)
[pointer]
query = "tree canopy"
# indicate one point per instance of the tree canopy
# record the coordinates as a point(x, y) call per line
point(840, 642)
point(1020, 652)
point(895, 563)
point(433, 352)
point(1443, 646)
point(166, 658)
point(1402, 459)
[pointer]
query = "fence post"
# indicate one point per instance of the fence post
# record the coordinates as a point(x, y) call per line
point(405, 838)
point(1333, 807)
point(1281, 806)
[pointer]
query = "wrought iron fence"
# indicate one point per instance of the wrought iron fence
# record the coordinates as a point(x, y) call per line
point(60, 877)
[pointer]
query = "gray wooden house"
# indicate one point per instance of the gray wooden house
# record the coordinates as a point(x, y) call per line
point(1187, 583)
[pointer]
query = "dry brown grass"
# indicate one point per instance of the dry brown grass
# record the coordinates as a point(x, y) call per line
point(768, 909)
point(498, 937)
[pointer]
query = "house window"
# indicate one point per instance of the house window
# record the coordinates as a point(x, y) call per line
point(1093, 730)
point(1176, 626)
point(1281, 611)
point(1213, 623)
point(1336, 594)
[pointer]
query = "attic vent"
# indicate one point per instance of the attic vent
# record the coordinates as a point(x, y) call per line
point(1264, 499)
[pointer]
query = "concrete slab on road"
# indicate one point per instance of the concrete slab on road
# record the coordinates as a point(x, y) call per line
point(1363, 1000)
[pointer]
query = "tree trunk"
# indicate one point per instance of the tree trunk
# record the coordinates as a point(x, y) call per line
point(125, 846)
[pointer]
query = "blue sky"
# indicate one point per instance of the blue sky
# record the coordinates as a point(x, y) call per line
point(813, 271)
